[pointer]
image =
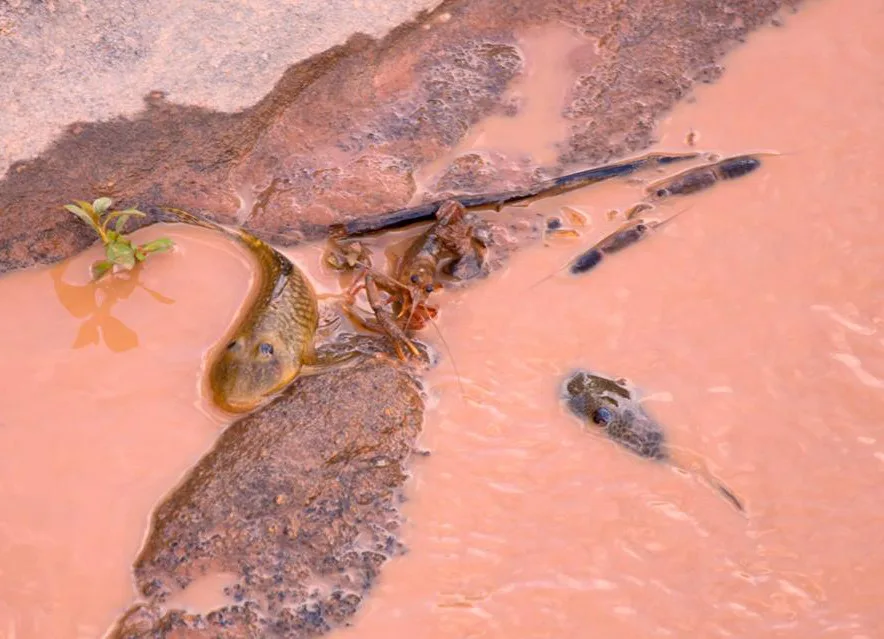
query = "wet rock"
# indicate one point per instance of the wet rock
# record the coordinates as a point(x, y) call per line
point(343, 132)
point(709, 74)
point(469, 173)
point(486, 172)
point(299, 500)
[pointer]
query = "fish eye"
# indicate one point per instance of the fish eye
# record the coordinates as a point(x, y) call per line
point(415, 278)
point(662, 193)
point(641, 228)
point(429, 288)
point(265, 349)
point(602, 415)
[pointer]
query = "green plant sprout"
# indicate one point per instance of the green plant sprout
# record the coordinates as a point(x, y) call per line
point(118, 248)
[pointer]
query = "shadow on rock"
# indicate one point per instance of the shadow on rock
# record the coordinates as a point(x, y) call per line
point(341, 134)
point(300, 500)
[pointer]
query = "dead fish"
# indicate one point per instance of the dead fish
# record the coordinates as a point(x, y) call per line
point(610, 405)
point(273, 339)
point(703, 177)
point(626, 235)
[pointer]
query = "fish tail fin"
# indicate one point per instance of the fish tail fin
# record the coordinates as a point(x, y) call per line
point(236, 233)
point(694, 464)
point(728, 494)
point(192, 218)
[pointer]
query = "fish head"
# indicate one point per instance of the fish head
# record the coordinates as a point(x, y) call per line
point(251, 368)
point(611, 406)
point(595, 398)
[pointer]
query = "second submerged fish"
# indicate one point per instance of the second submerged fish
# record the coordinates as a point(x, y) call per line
point(612, 406)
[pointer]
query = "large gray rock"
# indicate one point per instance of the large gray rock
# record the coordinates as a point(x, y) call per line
point(341, 135)
point(63, 62)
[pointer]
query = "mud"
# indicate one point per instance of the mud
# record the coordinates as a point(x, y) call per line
point(295, 504)
point(342, 134)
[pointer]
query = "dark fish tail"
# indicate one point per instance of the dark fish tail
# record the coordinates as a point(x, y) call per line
point(192, 218)
point(243, 236)
point(585, 261)
point(709, 478)
point(738, 166)
point(729, 495)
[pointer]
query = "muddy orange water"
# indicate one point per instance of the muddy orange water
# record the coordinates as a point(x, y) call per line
point(104, 408)
point(754, 323)
point(99, 416)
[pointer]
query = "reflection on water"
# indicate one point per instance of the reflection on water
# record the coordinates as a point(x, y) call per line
point(92, 438)
point(94, 301)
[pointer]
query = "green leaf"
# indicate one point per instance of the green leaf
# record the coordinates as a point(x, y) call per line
point(100, 269)
point(85, 206)
point(101, 204)
point(122, 253)
point(121, 222)
point(140, 255)
point(112, 236)
point(157, 246)
point(80, 213)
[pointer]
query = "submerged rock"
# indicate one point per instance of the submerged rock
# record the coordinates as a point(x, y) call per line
point(299, 500)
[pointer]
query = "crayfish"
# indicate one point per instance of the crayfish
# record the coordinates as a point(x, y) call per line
point(456, 245)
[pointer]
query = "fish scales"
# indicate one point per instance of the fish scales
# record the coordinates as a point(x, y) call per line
point(273, 337)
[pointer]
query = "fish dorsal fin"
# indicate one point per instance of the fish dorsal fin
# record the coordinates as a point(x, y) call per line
point(282, 278)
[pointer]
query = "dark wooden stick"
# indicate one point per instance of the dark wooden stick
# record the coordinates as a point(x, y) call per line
point(547, 188)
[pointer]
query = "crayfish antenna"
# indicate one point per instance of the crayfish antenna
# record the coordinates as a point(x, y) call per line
point(451, 356)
